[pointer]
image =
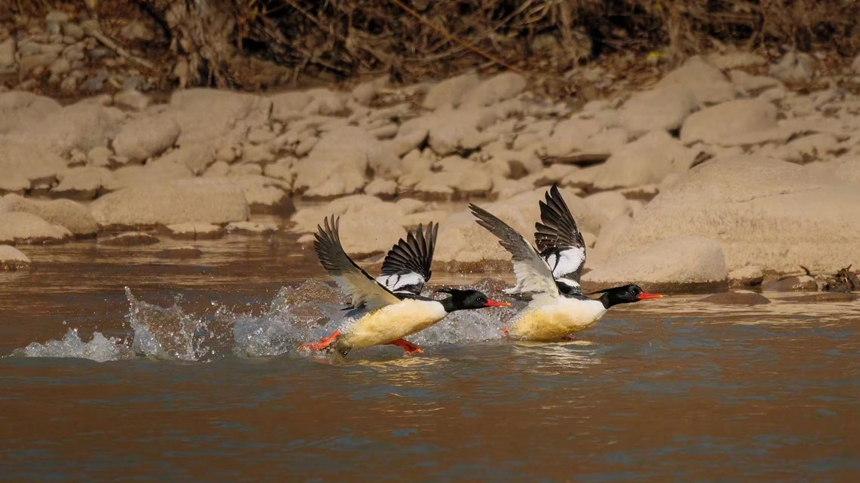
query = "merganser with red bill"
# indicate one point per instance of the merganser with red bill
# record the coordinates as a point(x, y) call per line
point(558, 307)
point(391, 315)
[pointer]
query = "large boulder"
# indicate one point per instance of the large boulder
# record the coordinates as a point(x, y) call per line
point(644, 161)
point(29, 161)
point(12, 259)
point(80, 126)
point(265, 195)
point(159, 171)
point(146, 137)
point(211, 200)
point(18, 107)
point(657, 109)
point(707, 83)
point(66, 213)
point(499, 88)
point(675, 263)
point(207, 115)
point(81, 183)
point(464, 245)
point(19, 227)
point(338, 163)
point(719, 124)
point(764, 212)
point(449, 92)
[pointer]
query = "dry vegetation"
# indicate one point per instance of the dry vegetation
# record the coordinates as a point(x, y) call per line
point(210, 42)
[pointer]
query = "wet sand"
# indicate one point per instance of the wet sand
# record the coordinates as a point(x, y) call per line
point(674, 390)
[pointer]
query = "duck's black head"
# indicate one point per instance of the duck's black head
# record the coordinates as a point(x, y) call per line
point(625, 295)
point(468, 299)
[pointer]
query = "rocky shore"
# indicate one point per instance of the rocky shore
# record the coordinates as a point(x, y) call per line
point(721, 172)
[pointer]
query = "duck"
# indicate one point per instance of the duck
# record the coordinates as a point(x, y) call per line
point(391, 313)
point(551, 274)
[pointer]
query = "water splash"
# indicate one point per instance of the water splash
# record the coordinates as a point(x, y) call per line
point(169, 333)
point(291, 320)
point(294, 316)
point(99, 349)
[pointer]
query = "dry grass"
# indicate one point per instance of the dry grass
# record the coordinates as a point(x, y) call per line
point(416, 39)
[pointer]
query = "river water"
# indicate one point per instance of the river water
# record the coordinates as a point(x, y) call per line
point(119, 365)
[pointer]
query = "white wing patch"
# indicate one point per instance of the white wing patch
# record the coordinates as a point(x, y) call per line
point(566, 262)
point(398, 282)
point(568, 282)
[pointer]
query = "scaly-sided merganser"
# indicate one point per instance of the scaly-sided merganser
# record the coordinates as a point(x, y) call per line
point(391, 315)
point(558, 307)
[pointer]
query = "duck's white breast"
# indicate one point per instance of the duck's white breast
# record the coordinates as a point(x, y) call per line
point(555, 320)
point(394, 322)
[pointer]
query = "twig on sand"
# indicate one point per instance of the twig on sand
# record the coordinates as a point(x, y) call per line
point(92, 28)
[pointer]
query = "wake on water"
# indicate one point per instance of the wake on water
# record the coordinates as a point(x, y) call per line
point(294, 316)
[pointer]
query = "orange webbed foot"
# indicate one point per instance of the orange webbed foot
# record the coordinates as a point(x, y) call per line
point(407, 346)
point(323, 344)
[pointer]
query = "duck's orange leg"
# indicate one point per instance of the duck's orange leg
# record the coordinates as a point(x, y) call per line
point(409, 347)
point(324, 343)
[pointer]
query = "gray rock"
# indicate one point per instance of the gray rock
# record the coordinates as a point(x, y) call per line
point(159, 171)
point(707, 83)
point(14, 184)
point(60, 66)
point(193, 109)
point(31, 62)
point(73, 30)
point(131, 99)
point(81, 183)
point(365, 92)
point(647, 160)
point(338, 164)
point(195, 231)
point(748, 276)
point(794, 67)
point(79, 126)
point(450, 91)
point(7, 54)
point(683, 262)
point(129, 239)
point(12, 259)
point(495, 89)
point(210, 200)
point(20, 227)
point(66, 213)
point(19, 108)
point(767, 213)
point(29, 161)
point(146, 137)
point(56, 16)
point(657, 109)
point(719, 124)
point(265, 195)
point(736, 298)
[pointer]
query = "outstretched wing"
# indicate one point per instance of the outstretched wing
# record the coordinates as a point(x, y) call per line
point(407, 265)
point(533, 274)
point(363, 289)
point(559, 241)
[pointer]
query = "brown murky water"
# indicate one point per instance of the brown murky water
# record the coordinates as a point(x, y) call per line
point(201, 381)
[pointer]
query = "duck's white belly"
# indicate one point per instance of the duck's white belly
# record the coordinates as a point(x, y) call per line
point(554, 321)
point(394, 322)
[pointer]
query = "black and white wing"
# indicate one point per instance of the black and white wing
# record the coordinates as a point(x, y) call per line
point(407, 265)
point(363, 289)
point(533, 274)
point(560, 243)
